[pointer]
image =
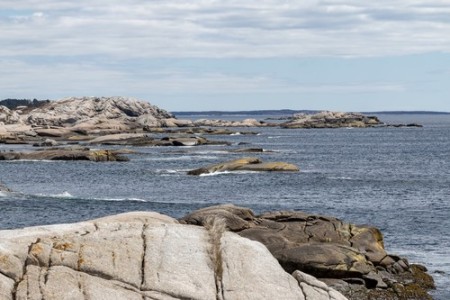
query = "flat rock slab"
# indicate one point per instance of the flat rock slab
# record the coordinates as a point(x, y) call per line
point(144, 255)
point(246, 164)
point(64, 154)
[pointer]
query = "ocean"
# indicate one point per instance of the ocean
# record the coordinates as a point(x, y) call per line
point(397, 179)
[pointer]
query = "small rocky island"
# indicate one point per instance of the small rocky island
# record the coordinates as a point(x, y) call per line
point(220, 252)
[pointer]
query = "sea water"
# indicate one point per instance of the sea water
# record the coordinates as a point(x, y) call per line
point(397, 179)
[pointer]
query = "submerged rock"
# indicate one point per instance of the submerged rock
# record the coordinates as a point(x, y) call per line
point(245, 164)
point(4, 188)
point(348, 257)
point(144, 255)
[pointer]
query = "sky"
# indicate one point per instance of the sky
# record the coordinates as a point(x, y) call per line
point(229, 54)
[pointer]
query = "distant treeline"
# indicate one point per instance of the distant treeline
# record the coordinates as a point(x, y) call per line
point(14, 103)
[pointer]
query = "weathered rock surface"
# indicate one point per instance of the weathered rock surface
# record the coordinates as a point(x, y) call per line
point(328, 119)
point(144, 255)
point(74, 111)
point(245, 164)
point(348, 257)
point(8, 116)
point(65, 154)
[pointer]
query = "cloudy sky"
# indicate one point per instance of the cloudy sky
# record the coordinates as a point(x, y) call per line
point(229, 54)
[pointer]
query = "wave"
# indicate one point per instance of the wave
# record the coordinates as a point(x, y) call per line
point(228, 172)
point(340, 178)
point(64, 194)
point(120, 199)
point(236, 133)
point(4, 194)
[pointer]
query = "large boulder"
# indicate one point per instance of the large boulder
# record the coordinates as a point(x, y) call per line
point(144, 255)
point(349, 257)
point(245, 164)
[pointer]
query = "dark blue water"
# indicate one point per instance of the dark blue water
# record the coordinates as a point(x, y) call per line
point(397, 179)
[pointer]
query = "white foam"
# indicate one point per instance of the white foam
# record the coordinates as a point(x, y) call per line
point(340, 178)
point(229, 172)
point(215, 173)
point(3, 194)
point(64, 194)
point(120, 199)
point(236, 133)
point(182, 158)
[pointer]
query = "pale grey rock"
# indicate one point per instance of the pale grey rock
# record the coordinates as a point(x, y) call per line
point(52, 132)
point(8, 116)
point(143, 255)
point(177, 262)
point(75, 110)
point(268, 278)
point(111, 138)
point(316, 289)
point(6, 287)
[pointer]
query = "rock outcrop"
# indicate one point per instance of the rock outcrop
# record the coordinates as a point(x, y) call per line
point(328, 119)
point(8, 116)
point(141, 139)
point(144, 255)
point(348, 257)
point(65, 154)
point(225, 123)
point(245, 164)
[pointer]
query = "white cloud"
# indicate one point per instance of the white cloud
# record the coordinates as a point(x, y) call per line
point(223, 28)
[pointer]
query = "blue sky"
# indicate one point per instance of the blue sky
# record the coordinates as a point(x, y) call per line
point(229, 54)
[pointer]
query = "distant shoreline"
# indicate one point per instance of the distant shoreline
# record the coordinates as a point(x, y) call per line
point(283, 112)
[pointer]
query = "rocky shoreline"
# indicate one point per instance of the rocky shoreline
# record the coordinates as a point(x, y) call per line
point(213, 253)
point(86, 118)
point(220, 252)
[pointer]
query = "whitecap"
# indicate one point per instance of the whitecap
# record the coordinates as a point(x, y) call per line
point(64, 194)
point(120, 199)
point(340, 178)
point(214, 173)
point(229, 172)
point(3, 194)
point(236, 133)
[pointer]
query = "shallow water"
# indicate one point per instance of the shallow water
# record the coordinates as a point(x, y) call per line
point(397, 179)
